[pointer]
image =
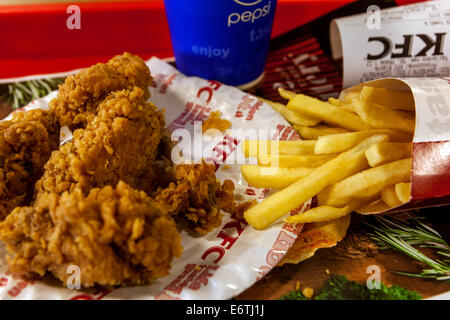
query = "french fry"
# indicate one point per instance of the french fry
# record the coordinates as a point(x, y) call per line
point(367, 133)
point(336, 143)
point(403, 191)
point(292, 161)
point(365, 184)
point(313, 133)
point(251, 148)
point(335, 102)
point(386, 152)
point(389, 196)
point(286, 94)
point(290, 115)
point(381, 117)
point(375, 206)
point(325, 213)
point(350, 95)
point(327, 113)
point(280, 203)
point(401, 100)
point(272, 177)
point(341, 104)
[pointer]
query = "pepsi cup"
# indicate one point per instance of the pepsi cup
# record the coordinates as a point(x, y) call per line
point(223, 40)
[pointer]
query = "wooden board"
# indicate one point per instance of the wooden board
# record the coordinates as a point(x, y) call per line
point(351, 257)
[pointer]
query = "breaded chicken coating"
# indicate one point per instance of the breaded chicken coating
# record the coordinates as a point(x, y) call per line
point(80, 95)
point(115, 235)
point(119, 143)
point(198, 196)
point(26, 142)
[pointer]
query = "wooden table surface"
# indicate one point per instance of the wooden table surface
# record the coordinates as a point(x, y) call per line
point(351, 257)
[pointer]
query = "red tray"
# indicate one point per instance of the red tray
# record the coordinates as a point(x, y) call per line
point(35, 39)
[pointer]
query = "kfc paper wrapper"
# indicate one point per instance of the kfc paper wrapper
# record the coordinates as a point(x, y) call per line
point(406, 41)
point(430, 172)
point(229, 259)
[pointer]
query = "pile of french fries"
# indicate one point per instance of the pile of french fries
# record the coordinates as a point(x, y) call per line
point(355, 155)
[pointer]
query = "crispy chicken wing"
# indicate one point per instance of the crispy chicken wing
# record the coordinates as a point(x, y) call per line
point(198, 196)
point(81, 94)
point(119, 143)
point(26, 142)
point(116, 236)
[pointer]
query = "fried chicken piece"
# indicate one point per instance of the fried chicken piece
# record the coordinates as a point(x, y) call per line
point(198, 196)
point(116, 236)
point(26, 142)
point(134, 69)
point(175, 198)
point(119, 143)
point(47, 118)
point(80, 95)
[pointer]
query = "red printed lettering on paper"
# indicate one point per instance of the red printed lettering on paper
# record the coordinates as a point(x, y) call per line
point(248, 107)
point(192, 112)
point(273, 256)
point(17, 289)
point(264, 193)
point(3, 281)
point(296, 228)
point(165, 296)
point(228, 240)
point(98, 294)
point(237, 225)
point(223, 150)
point(202, 278)
point(216, 249)
point(262, 272)
point(285, 133)
point(281, 246)
point(174, 285)
point(193, 277)
point(208, 91)
point(215, 84)
point(205, 91)
point(164, 80)
point(166, 83)
point(284, 242)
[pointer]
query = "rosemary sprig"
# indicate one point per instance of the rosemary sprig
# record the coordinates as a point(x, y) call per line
point(390, 232)
point(19, 94)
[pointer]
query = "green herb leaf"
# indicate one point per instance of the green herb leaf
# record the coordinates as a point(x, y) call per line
point(294, 295)
point(338, 287)
point(19, 94)
point(399, 235)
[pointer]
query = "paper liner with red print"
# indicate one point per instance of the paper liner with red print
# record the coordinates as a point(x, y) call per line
point(231, 258)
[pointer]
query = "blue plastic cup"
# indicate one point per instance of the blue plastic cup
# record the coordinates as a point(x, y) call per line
point(223, 40)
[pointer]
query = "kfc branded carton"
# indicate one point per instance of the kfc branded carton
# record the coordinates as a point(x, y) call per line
point(430, 172)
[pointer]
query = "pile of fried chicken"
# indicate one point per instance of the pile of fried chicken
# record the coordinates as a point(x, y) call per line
point(108, 200)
